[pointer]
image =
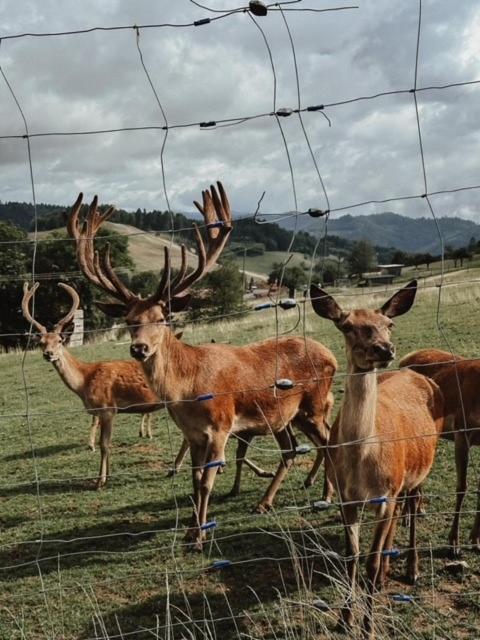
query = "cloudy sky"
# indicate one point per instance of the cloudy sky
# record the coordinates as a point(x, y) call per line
point(221, 70)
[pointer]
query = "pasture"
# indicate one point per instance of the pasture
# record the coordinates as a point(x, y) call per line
point(77, 563)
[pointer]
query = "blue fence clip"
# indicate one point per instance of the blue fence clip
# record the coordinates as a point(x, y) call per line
point(303, 448)
point(264, 305)
point(379, 500)
point(208, 525)
point(321, 505)
point(214, 463)
point(288, 303)
point(284, 383)
point(205, 396)
point(215, 225)
point(220, 564)
point(391, 553)
point(402, 597)
point(320, 604)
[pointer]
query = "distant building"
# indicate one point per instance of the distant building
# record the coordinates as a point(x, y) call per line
point(377, 279)
point(391, 269)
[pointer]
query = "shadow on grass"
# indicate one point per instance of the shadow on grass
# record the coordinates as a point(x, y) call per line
point(43, 452)
point(207, 604)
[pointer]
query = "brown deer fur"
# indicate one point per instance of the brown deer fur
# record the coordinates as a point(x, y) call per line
point(241, 378)
point(383, 440)
point(459, 381)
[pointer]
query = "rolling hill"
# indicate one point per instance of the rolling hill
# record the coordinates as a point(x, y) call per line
point(416, 235)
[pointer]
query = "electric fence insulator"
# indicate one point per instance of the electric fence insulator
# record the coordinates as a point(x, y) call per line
point(288, 303)
point(317, 213)
point(284, 383)
point(302, 449)
point(284, 112)
point(258, 8)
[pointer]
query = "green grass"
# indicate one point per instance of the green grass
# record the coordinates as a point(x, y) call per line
point(77, 563)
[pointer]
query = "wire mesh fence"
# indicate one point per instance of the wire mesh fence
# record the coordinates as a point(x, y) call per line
point(76, 563)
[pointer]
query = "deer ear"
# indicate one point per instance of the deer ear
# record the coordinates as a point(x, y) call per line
point(324, 305)
point(179, 303)
point(66, 333)
point(112, 309)
point(401, 301)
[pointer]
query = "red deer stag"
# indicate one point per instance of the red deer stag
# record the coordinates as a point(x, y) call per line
point(384, 438)
point(107, 388)
point(213, 390)
point(459, 381)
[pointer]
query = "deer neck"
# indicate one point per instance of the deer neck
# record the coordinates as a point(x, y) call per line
point(172, 370)
point(71, 371)
point(359, 407)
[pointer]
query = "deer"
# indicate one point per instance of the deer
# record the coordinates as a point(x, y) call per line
point(107, 388)
point(383, 441)
point(145, 429)
point(213, 390)
point(459, 381)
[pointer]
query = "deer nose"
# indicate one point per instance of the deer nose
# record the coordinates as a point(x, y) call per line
point(139, 350)
point(384, 352)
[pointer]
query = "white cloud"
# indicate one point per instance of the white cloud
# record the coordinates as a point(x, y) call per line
point(95, 81)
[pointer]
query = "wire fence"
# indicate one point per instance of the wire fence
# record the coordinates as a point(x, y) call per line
point(260, 574)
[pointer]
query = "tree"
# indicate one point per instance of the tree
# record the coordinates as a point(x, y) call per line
point(293, 277)
point(13, 263)
point(221, 293)
point(361, 258)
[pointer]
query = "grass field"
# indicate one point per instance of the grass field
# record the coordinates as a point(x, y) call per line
point(79, 564)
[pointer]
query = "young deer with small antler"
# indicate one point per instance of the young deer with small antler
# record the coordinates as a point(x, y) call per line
point(383, 441)
point(213, 390)
point(459, 381)
point(105, 388)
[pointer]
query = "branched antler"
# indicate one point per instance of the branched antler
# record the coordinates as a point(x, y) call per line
point(27, 296)
point(98, 269)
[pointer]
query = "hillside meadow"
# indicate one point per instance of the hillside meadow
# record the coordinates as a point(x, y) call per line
point(76, 563)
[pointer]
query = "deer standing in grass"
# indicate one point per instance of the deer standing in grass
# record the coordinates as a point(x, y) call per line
point(459, 381)
point(105, 388)
point(108, 388)
point(213, 390)
point(383, 440)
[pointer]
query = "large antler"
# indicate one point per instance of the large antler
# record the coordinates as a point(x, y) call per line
point(27, 296)
point(218, 223)
point(61, 324)
point(97, 270)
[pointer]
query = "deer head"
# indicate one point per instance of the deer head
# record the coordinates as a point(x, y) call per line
point(51, 342)
point(146, 318)
point(367, 332)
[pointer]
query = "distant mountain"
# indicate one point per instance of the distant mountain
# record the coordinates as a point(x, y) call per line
point(416, 235)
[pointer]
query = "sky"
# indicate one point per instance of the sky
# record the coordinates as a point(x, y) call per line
point(369, 149)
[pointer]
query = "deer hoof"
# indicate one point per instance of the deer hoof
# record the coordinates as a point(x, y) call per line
point(100, 483)
point(263, 507)
point(171, 473)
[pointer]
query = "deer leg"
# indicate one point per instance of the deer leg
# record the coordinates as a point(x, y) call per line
point(317, 437)
point(385, 560)
point(149, 426)
point(182, 452)
point(216, 451)
point(198, 454)
point(93, 432)
point(243, 444)
point(412, 559)
point(284, 440)
point(385, 518)
point(106, 422)
point(461, 465)
point(352, 552)
point(258, 471)
point(141, 432)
